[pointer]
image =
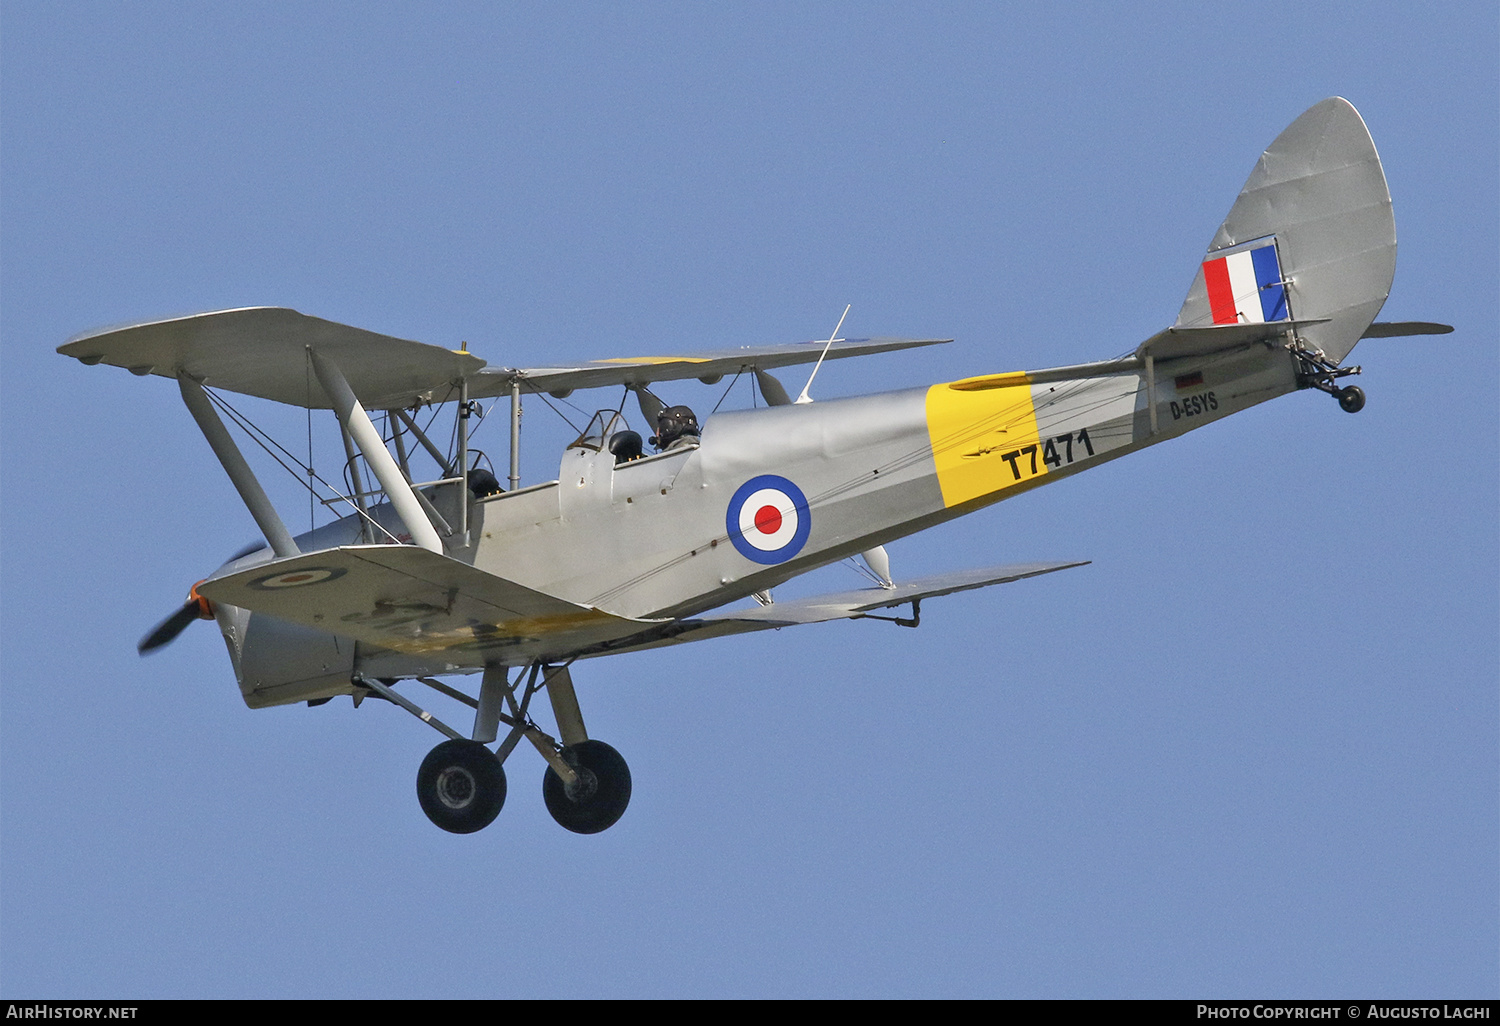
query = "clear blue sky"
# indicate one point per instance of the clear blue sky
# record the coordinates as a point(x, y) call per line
point(1252, 749)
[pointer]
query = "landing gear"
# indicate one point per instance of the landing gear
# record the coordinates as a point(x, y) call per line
point(461, 786)
point(597, 799)
point(1314, 371)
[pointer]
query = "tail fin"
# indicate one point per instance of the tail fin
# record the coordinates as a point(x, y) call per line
point(1311, 237)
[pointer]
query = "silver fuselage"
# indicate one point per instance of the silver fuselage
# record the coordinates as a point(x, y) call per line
point(652, 538)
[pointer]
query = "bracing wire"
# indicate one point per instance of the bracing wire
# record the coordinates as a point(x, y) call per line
point(863, 570)
point(307, 382)
point(560, 413)
point(261, 438)
point(726, 392)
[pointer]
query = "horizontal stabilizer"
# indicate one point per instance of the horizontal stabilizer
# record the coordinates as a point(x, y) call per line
point(843, 605)
point(710, 365)
point(1170, 344)
point(411, 600)
point(1397, 329)
point(1179, 342)
point(262, 351)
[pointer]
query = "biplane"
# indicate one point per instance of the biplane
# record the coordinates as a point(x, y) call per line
point(646, 538)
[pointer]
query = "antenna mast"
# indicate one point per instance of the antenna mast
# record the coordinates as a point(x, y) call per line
point(804, 397)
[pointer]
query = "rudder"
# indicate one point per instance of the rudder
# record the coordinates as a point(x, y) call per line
point(1311, 237)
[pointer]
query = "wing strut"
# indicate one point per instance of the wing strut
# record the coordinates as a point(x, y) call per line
point(235, 466)
point(421, 436)
point(355, 421)
point(515, 433)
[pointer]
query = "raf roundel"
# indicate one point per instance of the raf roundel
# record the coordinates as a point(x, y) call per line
point(768, 520)
point(298, 578)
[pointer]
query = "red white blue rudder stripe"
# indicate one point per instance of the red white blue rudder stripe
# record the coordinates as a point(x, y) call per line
point(1246, 287)
point(768, 520)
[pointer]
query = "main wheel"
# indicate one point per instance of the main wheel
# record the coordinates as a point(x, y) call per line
point(461, 786)
point(599, 797)
point(1351, 399)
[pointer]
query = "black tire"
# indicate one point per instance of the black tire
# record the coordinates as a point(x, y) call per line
point(461, 786)
point(600, 806)
point(1351, 399)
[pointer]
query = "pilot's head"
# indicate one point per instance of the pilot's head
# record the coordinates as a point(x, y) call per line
point(675, 423)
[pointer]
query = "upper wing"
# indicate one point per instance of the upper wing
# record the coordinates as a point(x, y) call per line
point(411, 600)
point(262, 351)
point(711, 365)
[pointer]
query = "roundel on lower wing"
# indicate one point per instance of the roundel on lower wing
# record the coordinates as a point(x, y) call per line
point(298, 578)
point(768, 520)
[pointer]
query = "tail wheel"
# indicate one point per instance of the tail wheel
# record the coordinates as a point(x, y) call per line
point(598, 799)
point(461, 786)
point(1351, 398)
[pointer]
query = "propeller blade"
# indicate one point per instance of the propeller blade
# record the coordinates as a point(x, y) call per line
point(169, 628)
